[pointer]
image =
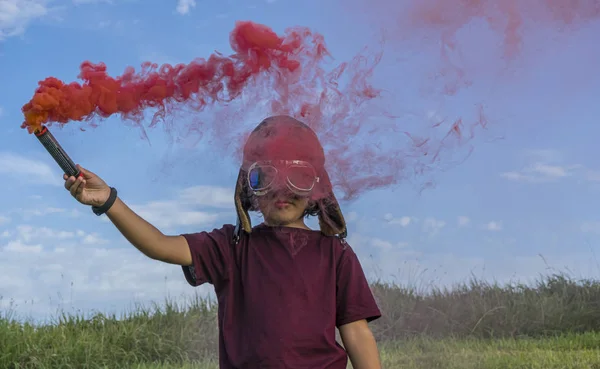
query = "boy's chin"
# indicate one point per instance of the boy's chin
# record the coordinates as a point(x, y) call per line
point(281, 218)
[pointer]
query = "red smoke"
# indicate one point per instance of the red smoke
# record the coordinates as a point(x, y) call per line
point(367, 144)
point(285, 74)
point(218, 79)
point(459, 31)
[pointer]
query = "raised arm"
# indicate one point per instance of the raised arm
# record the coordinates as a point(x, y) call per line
point(147, 238)
point(90, 189)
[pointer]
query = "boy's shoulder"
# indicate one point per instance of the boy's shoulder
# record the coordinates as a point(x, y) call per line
point(226, 232)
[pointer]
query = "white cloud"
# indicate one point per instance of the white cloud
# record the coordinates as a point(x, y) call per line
point(90, 238)
point(493, 226)
point(433, 226)
point(541, 172)
point(28, 233)
point(20, 247)
point(212, 196)
point(4, 219)
point(516, 176)
point(544, 166)
point(198, 206)
point(77, 2)
point(168, 214)
point(434, 117)
point(590, 227)
point(368, 245)
point(45, 269)
point(28, 170)
point(445, 269)
point(49, 210)
point(27, 238)
point(386, 245)
point(28, 214)
point(403, 221)
point(408, 265)
point(351, 217)
point(463, 221)
point(16, 15)
point(550, 171)
point(183, 6)
point(593, 175)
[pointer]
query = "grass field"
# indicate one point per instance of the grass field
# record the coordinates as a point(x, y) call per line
point(576, 351)
point(553, 324)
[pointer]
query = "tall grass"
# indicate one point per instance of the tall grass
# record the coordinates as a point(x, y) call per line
point(170, 333)
point(555, 304)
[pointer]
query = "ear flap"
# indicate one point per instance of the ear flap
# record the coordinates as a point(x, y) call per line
point(240, 206)
point(331, 219)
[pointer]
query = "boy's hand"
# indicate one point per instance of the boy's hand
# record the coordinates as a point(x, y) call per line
point(88, 188)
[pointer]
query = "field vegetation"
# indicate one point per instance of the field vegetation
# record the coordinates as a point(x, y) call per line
point(554, 323)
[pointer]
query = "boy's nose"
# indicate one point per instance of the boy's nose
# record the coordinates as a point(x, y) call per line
point(281, 192)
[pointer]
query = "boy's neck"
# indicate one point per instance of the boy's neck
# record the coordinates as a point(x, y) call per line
point(297, 224)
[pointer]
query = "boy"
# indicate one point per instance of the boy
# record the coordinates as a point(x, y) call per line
point(282, 288)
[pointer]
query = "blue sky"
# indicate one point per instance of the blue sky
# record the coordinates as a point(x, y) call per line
point(533, 192)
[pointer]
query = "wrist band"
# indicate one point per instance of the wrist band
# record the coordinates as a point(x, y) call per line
point(99, 210)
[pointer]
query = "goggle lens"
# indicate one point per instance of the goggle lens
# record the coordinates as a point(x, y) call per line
point(299, 177)
point(261, 177)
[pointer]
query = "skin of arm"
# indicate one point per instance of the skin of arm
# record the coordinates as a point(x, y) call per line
point(360, 345)
point(147, 238)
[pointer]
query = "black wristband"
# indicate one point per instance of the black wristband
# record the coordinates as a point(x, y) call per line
point(99, 210)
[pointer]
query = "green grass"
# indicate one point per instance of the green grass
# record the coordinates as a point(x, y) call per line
point(555, 353)
point(569, 351)
point(553, 324)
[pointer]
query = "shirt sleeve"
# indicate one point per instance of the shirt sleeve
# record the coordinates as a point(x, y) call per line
point(211, 255)
point(355, 300)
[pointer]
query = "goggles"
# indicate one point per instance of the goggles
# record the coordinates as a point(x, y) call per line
point(299, 176)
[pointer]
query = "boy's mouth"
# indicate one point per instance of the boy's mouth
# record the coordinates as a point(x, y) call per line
point(282, 203)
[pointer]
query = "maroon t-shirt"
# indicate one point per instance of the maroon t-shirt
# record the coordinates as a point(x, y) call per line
point(281, 292)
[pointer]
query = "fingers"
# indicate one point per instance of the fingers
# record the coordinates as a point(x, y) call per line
point(69, 181)
point(75, 185)
point(86, 173)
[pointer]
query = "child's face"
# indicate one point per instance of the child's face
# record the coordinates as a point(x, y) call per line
point(282, 208)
